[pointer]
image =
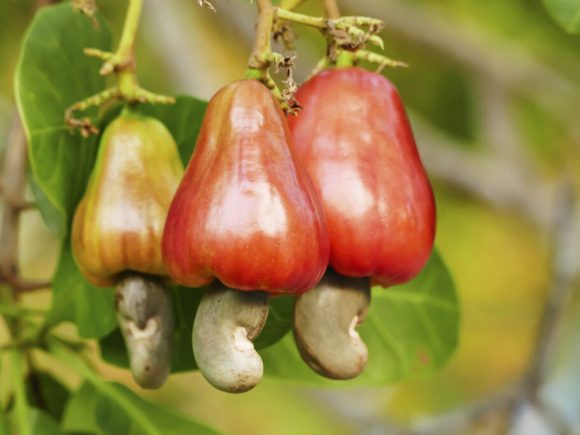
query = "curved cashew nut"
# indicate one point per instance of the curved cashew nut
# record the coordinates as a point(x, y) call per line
point(325, 319)
point(225, 324)
point(145, 316)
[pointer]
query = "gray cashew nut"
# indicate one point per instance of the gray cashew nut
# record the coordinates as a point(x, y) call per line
point(325, 319)
point(145, 317)
point(225, 324)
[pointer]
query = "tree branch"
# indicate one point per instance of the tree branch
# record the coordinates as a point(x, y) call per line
point(13, 181)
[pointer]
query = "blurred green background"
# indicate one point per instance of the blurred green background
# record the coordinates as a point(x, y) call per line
point(494, 97)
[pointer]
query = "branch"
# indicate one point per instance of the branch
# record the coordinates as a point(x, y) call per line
point(565, 269)
point(13, 181)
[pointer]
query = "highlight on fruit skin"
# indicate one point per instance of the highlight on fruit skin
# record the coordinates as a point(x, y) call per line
point(117, 231)
point(245, 218)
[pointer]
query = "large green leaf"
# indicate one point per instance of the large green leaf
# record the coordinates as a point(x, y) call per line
point(52, 74)
point(114, 409)
point(38, 422)
point(410, 330)
point(183, 119)
point(566, 13)
point(74, 299)
point(41, 423)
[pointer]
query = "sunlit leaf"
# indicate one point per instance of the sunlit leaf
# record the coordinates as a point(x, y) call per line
point(566, 13)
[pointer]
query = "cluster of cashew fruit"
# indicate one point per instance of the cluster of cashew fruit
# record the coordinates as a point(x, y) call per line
point(320, 205)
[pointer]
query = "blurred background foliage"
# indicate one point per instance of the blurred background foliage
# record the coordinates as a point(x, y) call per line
point(494, 95)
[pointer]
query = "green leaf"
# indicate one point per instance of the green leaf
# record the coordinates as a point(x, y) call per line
point(44, 391)
point(52, 74)
point(183, 119)
point(92, 309)
point(4, 424)
point(38, 423)
point(566, 13)
point(410, 330)
point(118, 410)
point(41, 423)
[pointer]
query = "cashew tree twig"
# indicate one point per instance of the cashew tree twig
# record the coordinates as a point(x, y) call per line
point(123, 64)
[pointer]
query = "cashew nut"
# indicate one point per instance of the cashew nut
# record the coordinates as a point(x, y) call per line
point(325, 319)
point(145, 316)
point(225, 324)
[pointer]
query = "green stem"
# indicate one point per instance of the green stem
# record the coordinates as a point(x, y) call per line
point(307, 20)
point(127, 43)
point(322, 23)
point(378, 59)
point(122, 62)
point(127, 80)
point(344, 59)
point(21, 402)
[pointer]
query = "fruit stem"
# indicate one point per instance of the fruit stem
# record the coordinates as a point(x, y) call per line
point(126, 48)
point(344, 59)
point(122, 63)
point(379, 59)
point(259, 61)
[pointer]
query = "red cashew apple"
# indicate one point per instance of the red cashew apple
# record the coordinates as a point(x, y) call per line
point(246, 214)
point(355, 141)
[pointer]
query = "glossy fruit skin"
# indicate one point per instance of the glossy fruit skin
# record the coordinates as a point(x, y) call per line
point(246, 212)
point(118, 224)
point(356, 143)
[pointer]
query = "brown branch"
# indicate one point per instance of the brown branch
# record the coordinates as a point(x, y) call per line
point(13, 181)
point(564, 270)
